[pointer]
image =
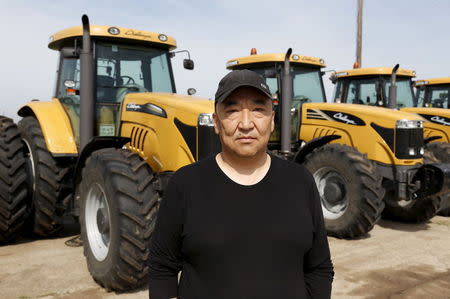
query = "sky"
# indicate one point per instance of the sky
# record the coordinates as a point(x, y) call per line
point(409, 32)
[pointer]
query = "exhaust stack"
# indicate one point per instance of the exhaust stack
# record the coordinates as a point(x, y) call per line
point(286, 104)
point(392, 103)
point(87, 104)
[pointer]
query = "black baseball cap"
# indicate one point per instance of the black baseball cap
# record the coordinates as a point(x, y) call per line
point(240, 78)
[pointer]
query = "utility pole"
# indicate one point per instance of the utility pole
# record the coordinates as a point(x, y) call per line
point(359, 35)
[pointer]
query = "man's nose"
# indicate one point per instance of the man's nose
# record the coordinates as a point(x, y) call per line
point(246, 122)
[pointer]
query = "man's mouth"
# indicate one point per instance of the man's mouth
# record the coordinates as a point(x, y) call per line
point(246, 138)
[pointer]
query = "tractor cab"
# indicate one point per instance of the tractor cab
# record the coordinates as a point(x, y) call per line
point(307, 84)
point(125, 61)
point(433, 93)
point(370, 86)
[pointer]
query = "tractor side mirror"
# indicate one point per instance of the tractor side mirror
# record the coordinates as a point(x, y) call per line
point(333, 78)
point(70, 52)
point(188, 64)
point(191, 91)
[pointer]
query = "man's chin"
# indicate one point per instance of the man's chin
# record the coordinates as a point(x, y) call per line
point(246, 153)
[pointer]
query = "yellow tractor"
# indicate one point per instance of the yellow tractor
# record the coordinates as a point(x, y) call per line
point(354, 152)
point(432, 103)
point(103, 147)
point(374, 86)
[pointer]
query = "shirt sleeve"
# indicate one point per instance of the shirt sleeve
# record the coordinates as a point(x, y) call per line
point(318, 268)
point(165, 260)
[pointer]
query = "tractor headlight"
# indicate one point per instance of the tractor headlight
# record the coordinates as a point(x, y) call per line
point(412, 151)
point(206, 119)
point(409, 124)
point(422, 151)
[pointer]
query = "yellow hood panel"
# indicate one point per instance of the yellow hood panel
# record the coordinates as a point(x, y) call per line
point(362, 111)
point(172, 100)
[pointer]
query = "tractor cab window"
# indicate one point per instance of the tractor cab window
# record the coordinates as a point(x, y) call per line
point(120, 69)
point(67, 91)
point(405, 96)
point(437, 96)
point(273, 86)
point(123, 69)
point(307, 85)
point(364, 91)
point(420, 97)
point(337, 92)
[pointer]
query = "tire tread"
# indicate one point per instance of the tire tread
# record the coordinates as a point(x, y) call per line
point(370, 182)
point(13, 181)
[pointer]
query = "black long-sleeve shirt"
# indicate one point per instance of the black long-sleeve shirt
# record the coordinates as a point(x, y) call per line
point(233, 241)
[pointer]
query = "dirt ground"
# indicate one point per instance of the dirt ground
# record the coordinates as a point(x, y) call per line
point(395, 261)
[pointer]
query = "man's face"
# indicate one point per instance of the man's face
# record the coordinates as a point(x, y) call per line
point(244, 122)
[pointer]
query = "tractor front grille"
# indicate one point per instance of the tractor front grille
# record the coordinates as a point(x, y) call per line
point(409, 143)
point(208, 142)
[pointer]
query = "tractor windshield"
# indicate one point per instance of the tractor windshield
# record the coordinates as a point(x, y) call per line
point(374, 91)
point(307, 85)
point(364, 91)
point(405, 95)
point(434, 96)
point(122, 69)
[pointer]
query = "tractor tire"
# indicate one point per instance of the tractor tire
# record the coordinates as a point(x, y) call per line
point(350, 189)
point(440, 150)
point(413, 211)
point(47, 180)
point(440, 153)
point(14, 207)
point(119, 200)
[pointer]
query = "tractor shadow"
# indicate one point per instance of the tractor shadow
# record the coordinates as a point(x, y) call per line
point(70, 228)
point(415, 281)
point(401, 226)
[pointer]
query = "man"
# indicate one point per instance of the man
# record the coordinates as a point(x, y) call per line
point(241, 224)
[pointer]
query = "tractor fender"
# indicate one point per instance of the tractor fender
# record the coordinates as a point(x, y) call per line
point(55, 125)
point(313, 144)
point(96, 143)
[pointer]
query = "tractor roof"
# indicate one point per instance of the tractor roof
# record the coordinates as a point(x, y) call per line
point(373, 71)
point(434, 81)
point(279, 57)
point(60, 38)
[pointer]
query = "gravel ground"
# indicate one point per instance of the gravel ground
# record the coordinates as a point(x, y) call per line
point(395, 261)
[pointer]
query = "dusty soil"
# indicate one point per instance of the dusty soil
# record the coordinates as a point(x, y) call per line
point(395, 261)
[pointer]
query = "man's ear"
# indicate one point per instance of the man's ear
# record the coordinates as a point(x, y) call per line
point(216, 123)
